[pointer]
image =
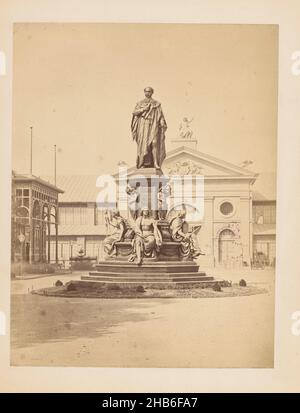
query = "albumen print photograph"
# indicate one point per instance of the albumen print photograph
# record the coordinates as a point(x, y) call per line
point(143, 208)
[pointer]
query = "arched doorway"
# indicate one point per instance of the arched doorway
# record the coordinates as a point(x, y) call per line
point(228, 254)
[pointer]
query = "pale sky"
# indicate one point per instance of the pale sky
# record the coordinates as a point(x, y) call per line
point(77, 85)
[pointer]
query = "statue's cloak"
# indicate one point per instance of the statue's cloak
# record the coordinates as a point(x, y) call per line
point(148, 126)
point(176, 225)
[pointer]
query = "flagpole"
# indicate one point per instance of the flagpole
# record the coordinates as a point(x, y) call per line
point(31, 127)
point(54, 164)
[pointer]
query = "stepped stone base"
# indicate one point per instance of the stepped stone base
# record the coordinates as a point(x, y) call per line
point(153, 267)
point(151, 274)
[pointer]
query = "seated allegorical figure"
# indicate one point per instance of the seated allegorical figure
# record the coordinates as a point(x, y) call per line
point(147, 239)
point(118, 227)
point(179, 233)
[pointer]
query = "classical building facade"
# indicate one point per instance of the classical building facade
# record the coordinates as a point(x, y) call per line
point(226, 235)
point(237, 226)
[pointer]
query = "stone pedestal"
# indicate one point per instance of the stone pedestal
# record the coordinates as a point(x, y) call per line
point(155, 274)
point(148, 182)
point(168, 267)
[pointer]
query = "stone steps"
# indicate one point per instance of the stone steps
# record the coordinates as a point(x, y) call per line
point(157, 267)
point(145, 275)
point(147, 263)
point(159, 278)
point(137, 282)
point(151, 274)
point(142, 280)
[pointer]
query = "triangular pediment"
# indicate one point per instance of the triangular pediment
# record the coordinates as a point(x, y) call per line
point(185, 161)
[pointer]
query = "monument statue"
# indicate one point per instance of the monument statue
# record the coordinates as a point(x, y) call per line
point(118, 228)
point(148, 128)
point(148, 246)
point(163, 197)
point(185, 131)
point(133, 200)
point(147, 239)
point(179, 233)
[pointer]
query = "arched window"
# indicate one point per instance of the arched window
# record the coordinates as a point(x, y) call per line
point(22, 215)
point(45, 212)
point(52, 214)
point(36, 212)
